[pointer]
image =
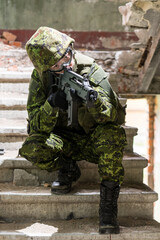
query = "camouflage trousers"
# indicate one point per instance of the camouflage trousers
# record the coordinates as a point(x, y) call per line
point(103, 147)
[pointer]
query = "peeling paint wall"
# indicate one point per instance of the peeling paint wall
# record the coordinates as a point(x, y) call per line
point(76, 15)
point(137, 69)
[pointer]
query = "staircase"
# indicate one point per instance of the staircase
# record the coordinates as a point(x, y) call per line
point(29, 211)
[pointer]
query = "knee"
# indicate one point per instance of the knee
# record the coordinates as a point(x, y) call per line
point(110, 135)
point(40, 148)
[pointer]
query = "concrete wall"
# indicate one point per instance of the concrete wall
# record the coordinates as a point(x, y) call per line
point(76, 15)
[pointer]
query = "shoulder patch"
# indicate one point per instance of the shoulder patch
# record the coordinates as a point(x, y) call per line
point(98, 77)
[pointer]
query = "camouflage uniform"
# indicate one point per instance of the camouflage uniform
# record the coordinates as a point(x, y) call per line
point(99, 138)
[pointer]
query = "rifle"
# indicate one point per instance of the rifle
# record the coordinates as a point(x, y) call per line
point(76, 88)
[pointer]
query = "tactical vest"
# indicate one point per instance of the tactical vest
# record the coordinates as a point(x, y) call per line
point(98, 77)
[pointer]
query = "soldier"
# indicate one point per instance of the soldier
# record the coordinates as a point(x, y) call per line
point(52, 144)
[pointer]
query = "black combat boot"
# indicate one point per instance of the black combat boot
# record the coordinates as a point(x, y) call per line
point(69, 173)
point(109, 192)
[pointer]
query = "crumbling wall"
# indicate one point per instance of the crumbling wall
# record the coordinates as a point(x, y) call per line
point(137, 68)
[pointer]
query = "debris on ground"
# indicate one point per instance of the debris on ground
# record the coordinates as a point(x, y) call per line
point(10, 39)
point(14, 59)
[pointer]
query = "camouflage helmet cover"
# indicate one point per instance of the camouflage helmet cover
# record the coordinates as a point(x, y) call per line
point(46, 47)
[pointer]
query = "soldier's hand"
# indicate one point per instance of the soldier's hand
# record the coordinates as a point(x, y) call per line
point(58, 99)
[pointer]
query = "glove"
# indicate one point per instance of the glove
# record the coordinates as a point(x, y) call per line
point(58, 99)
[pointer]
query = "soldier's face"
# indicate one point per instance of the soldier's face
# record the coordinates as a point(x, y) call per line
point(66, 61)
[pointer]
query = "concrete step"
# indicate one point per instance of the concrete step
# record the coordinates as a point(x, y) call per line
point(37, 203)
point(14, 114)
point(13, 101)
point(21, 172)
point(131, 132)
point(14, 88)
point(15, 130)
point(15, 76)
point(17, 101)
point(11, 146)
point(79, 229)
point(8, 78)
point(13, 52)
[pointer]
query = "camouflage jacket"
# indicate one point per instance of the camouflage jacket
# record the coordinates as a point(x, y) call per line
point(43, 118)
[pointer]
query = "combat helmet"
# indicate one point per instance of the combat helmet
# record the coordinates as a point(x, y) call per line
point(46, 47)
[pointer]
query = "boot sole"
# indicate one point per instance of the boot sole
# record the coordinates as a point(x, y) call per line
point(60, 191)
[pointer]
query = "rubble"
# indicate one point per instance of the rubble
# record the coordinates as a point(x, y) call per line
point(143, 57)
point(10, 39)
point(14, 59)
point(9, 36)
